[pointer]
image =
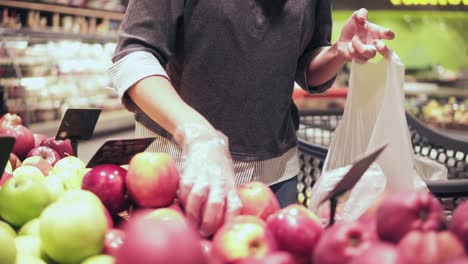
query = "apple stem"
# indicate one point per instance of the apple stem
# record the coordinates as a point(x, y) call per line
point(423, 215)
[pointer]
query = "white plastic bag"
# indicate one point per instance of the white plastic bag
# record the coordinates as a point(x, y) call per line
point(374, 115)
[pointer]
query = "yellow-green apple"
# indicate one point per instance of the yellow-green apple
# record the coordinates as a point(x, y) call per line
point(8, 228)
point(63, 147)
point(38, 162)
point(8, 247)
point(342, 242)
point(28, 170)
point(70, 179)
point(113, 241)
point(31, 228)
point(28, 259)
point(99, 259)
point(50, 155)
point(152, 240)
point(23, 198)
point(29, 245)
point(14, 161)
point(296, 229)
point(277, 257)
point(152, 179)
point(10, 119)
point(257, 200)
point(402, 212)
point(430, 247)
point(70, 163)
point(109, 219)
point(459, 223)
point(166, 214)
point(243, 237)
point(73, 228)
point(55, 186)
point(107, 181)
point(379, 252)
point(24, 139)
point(38, 139)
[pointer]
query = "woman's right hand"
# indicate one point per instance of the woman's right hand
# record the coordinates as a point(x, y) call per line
point(207, 188)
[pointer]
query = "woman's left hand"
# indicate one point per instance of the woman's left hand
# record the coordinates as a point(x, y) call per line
point(360, 40)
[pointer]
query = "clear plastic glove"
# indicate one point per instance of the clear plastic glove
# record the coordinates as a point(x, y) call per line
point(207, 188)
point(361, 40)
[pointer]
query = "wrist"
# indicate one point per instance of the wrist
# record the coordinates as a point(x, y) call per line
point(192, 133)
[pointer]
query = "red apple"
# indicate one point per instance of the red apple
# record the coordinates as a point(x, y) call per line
point(342, 242)
point(38, 139)
point(459, 223)
point(380, 252)
point(207, 247)
point(107, 181)
point(10, 119)
point(24, 139)
point(14, 161)
point(278, 257)
point(47, 153)
point(296, 229)
point(243, 237)
point(152, 240)
point(5, 177)
point(257, 200)
point(38, 162)
point(463, 260)
point(402, 212)
point(152, 179)
point(63, 147)
point(113, 240)
point(430, 247)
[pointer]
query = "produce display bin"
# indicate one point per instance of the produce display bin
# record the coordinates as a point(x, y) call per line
point(314, 136)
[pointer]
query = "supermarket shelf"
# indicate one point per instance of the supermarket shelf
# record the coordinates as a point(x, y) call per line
point(62, 9)
point(28, 34)
point(108, 122)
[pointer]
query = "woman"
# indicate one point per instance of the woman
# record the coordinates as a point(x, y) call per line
point(212, 80)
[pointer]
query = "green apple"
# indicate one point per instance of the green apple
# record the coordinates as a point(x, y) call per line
point(55, 186)
point(8, 228)
point(99, 259)
point(70, 163)
point(8, 247)
point(31, 228)
point(29, 245)
point(27, 170)
point(73, 228)
point(29, 259)
point(23, 198)
point(71, 180)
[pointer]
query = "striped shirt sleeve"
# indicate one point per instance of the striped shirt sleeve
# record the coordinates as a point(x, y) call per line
point(129, 70)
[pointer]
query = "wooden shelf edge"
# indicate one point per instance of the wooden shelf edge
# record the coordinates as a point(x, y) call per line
point(77, 11)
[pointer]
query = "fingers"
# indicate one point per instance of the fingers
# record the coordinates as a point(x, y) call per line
point(379, 32)
point(381, 47)
point(360, 16)
point(195, 201)
point(213, 214)
point(233, 206)
point(361, 51)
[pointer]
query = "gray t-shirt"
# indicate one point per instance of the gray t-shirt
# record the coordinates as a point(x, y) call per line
point(232, 63)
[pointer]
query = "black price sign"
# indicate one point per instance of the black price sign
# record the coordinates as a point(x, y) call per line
point(119, 151)
point(7, 144)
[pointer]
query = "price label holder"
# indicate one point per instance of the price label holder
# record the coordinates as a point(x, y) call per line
point(119, 151)
point(78, 124)
point(7, 144)
point(350, 179)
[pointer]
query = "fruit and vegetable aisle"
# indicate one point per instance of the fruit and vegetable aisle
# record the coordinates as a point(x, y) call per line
point(55, 210)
